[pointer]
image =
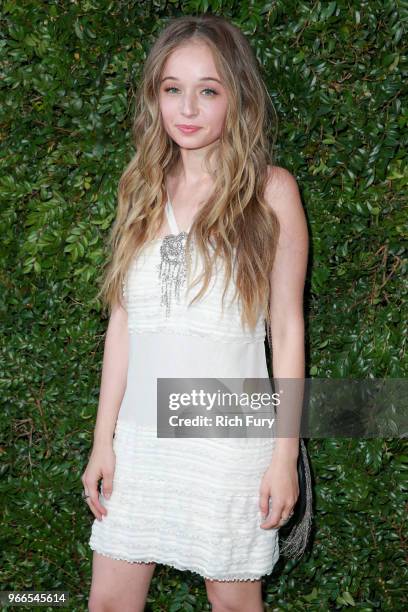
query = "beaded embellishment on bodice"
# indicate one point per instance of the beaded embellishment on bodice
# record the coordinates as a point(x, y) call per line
point(173, 262)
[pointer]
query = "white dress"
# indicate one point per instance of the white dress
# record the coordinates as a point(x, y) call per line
point(190, 503)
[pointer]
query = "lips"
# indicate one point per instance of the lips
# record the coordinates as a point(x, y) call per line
point(187, 129)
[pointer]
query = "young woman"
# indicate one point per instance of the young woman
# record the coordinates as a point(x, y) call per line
point(200, 184)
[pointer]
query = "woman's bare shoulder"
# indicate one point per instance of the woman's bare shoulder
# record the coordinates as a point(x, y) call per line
point(283, 196)
point(281, 190)
point(279, 182)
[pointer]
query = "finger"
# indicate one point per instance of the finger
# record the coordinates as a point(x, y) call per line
point(92, 489)
point(274, 517)
point(97, 508)
point(264, 502)
point(107, 485)
point(95, 512)
point(97, 504)
point(285, 516)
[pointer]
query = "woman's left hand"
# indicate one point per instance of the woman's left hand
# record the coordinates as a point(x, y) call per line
point(280, 483)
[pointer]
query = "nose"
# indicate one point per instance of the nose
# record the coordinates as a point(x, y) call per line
point(188, 104)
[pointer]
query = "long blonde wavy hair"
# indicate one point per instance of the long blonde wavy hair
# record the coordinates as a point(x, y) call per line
point(235, 219)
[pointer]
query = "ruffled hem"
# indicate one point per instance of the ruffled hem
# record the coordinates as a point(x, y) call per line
point(180, 566)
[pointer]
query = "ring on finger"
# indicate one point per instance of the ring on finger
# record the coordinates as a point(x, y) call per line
point(284, 520)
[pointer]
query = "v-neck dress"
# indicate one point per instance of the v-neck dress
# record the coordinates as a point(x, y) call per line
point(190, 503)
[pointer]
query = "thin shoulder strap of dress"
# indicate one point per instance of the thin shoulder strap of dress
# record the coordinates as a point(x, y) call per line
point(171, 218)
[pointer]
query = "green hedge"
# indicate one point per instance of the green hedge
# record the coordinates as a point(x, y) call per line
point(68, 69)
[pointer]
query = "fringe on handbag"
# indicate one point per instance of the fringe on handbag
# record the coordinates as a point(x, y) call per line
point(294, 535)
point(296, 531)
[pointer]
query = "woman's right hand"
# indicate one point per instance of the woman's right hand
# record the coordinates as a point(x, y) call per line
point(101, 464)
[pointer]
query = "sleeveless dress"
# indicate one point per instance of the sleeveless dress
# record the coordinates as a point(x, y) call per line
point(189, 503)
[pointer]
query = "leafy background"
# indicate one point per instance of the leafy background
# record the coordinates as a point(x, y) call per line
point(335, 71)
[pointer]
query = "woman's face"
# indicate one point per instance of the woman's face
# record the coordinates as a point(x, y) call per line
point(191, 94)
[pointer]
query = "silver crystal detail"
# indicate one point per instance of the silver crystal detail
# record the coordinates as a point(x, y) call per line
point(172, 268)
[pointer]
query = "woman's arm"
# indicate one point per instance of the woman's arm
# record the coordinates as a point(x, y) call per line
point(280, 482)
point(101, 463)
point(287, 286)
point(114, 375)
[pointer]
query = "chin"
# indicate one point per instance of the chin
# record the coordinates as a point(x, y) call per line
point(189, 144)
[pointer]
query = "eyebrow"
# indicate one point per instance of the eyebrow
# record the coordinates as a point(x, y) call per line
point(202, 79)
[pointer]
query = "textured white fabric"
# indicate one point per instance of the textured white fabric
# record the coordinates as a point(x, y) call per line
point(192, 503)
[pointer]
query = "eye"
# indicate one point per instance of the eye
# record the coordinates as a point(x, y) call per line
point(213, 92)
